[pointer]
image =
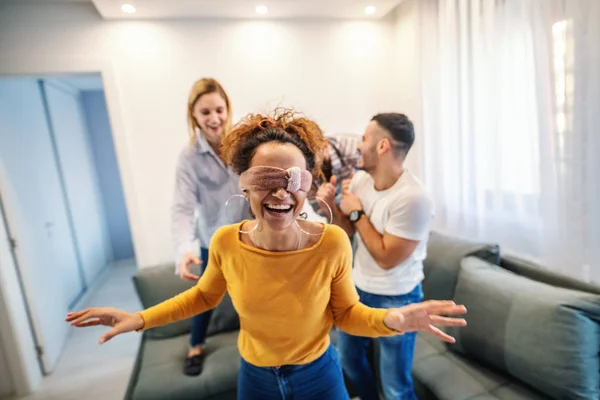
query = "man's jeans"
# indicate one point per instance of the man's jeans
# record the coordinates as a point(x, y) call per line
point(396, 354)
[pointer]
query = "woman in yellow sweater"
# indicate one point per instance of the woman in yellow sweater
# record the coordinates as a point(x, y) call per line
point(290, 280)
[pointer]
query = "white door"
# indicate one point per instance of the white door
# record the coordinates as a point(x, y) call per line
point(36, 214)
point(79, 173)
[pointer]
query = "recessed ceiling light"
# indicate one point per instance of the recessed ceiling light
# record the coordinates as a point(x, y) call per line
point(128, 8)
point(370, 10)
point(261, 9)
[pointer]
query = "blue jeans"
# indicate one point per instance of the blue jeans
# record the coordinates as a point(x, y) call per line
point(200, 322)
point(395, 355)
point(321, 379)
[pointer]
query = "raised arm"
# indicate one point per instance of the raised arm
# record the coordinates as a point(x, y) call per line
point(185, 201)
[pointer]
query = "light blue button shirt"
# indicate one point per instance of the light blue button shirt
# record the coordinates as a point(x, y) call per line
point(203, 186)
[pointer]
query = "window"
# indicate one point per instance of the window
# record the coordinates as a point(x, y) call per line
point(564, 87)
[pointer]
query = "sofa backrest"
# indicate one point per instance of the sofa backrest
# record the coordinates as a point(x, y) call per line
point(442, 265)
point(159, 283)
point(538, 273)
point(543, 335)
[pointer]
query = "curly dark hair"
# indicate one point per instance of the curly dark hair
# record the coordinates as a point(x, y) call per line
point(284, 126)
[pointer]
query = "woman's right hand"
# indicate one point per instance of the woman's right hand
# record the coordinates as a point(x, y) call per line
point(120, 321)
point(184, 266)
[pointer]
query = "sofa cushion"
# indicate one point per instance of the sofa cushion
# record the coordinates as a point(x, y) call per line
point(538, 273)
point(510, 391)
point(427, 345)
point(439, 374)
point(159, 283)
point(160, 370)
point(442, 264)
point(155, 285)
point(545, 336)
point(449, 376)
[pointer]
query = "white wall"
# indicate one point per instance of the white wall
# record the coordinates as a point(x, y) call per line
point(407, 77)
point(339, 73)
point(98, 126)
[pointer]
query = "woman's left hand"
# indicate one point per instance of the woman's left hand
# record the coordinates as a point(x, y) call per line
point(426, 317)
point(120, 321)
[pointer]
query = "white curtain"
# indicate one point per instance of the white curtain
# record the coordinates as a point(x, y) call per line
point(511, 125)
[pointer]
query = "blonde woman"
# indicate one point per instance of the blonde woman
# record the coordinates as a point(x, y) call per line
point(203, 183)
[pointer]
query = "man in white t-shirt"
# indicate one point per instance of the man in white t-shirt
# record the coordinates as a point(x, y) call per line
point(390, 212)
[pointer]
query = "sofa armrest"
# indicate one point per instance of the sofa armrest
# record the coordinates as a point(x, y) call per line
point(442, 265)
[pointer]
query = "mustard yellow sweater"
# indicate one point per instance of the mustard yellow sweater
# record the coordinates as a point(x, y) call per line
point(287, 301)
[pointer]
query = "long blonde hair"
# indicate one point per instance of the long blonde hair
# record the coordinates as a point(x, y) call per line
point(199, 89)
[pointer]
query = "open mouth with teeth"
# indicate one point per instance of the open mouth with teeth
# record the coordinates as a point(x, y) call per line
point(278, 210)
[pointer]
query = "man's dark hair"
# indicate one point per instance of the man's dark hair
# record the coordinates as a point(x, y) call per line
point(400, 128)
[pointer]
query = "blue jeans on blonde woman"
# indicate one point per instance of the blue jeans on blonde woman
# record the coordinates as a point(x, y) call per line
point(321, 379)
point(395, 355)
point(193, 365)
point(200, 322)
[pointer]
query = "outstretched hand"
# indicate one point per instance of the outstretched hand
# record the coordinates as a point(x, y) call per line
point(120, 321)
point(426, 317)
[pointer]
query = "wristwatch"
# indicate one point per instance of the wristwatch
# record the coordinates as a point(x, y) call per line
point(355, 215)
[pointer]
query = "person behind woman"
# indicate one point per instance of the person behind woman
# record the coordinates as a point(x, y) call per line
point(290, 280)
point(339, 159)
point(203, 183)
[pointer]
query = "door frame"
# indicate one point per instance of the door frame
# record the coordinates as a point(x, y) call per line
point(27, 378)
point(18, 335)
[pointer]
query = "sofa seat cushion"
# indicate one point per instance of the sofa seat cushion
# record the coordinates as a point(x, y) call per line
point(160, 369)
point(510, 391)
point(449, 376)
point(428, 345)
point(544, 336)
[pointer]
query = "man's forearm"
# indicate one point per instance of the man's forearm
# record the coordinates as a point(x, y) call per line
point(375, 244)
point(372, 240)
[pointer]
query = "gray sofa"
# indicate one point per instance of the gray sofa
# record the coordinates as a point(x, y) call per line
point(531, 334)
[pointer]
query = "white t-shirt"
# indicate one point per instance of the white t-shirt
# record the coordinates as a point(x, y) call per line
point(404, 210)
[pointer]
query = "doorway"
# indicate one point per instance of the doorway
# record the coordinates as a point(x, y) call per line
point(62, 197)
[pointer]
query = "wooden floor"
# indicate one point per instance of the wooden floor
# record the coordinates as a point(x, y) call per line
point(86, 369)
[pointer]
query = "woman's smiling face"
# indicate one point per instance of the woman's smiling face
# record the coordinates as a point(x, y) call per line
point(277, 208)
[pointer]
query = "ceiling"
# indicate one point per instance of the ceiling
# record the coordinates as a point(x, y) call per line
point(245, 9)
